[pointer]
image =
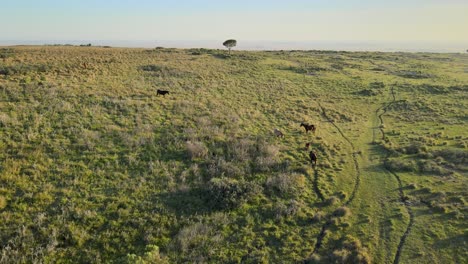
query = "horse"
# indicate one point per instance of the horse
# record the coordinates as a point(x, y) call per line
point(161, 92)
point(313, 157)
point(308, 127)
point(278, 133)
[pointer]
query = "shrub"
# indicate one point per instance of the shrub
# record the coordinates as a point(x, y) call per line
point(220, 167)
point(342, 212)
point(227, 193)
point(413, 74)
point(151, 256)
point(332, 200)
point(265, 164)
point(3, 202)
point(286, 210)
point(285, 183)
point(6, 53)
point(455, 156)
point(429, 166)
point(377, 85)
point(188, 236)
point(438, 208)
point(314, 259)
point(350, 251)
point(318, 217)
point(22, 69)
point(342, 195)
point(455, 199)
point(400, 165)
point(368, 92)
point(413, 148)
point(261, 155)
point(196, 149)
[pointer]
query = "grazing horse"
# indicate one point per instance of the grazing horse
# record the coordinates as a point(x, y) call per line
point(308, 127)
point(278, 133)
point(161, 92)
point(313, 157)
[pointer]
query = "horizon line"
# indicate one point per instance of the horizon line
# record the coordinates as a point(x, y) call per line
point(256, 45)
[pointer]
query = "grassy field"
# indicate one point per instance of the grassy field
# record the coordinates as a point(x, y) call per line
point(95, 167)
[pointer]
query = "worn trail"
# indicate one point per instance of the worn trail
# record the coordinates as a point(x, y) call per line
point(400, 185)
point(354, 154)
point(328, 221)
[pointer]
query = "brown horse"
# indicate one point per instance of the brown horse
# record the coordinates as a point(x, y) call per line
point(313, 157)
point(308, 127)
point(278, 133)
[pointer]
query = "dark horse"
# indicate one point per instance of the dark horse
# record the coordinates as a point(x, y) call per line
point(308, 127)
point(161, 92)
point(313, 158)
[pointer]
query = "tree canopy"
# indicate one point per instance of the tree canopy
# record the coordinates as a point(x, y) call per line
point(229, 44)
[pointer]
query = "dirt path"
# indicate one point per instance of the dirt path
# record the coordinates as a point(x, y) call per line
point(357, 181)
point(401, 244)
point(354, 154)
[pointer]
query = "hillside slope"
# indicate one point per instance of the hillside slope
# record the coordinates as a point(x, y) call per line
point(96, 167)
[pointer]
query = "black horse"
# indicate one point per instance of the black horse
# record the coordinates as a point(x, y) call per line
point(161, 92)
point(313, 157)
point(308, 127)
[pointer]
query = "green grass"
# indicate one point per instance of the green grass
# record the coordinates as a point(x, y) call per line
point(94, 167)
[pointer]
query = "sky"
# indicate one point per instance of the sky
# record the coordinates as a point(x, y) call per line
point(414, 22)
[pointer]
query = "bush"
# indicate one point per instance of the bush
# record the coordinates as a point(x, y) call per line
point(429, 166)
point(6, 53)
point(152, 256)
point(455, 156)
point(438, 208)
point(219, 168)
point(227, 193)
point(3, 202)
point(413, 148)
point(342, 212)
point(286, 210)
point(152, 68)
point(318, 217)
point(196, 149)
point(455, 199)
point(314, 259)
point(413, 74)
point(285, 183)
point(266, 156)
point(368, 92)
point(350, 251)
point(377, 85)
point(332, 200)
point(400, 165)
point(22, 69)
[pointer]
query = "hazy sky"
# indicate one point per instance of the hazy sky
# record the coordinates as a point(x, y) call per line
point(444, 21)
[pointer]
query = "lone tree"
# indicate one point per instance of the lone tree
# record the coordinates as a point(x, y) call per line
point(229, 44)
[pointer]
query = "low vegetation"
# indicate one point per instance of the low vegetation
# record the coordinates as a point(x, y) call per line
point(95, 167)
